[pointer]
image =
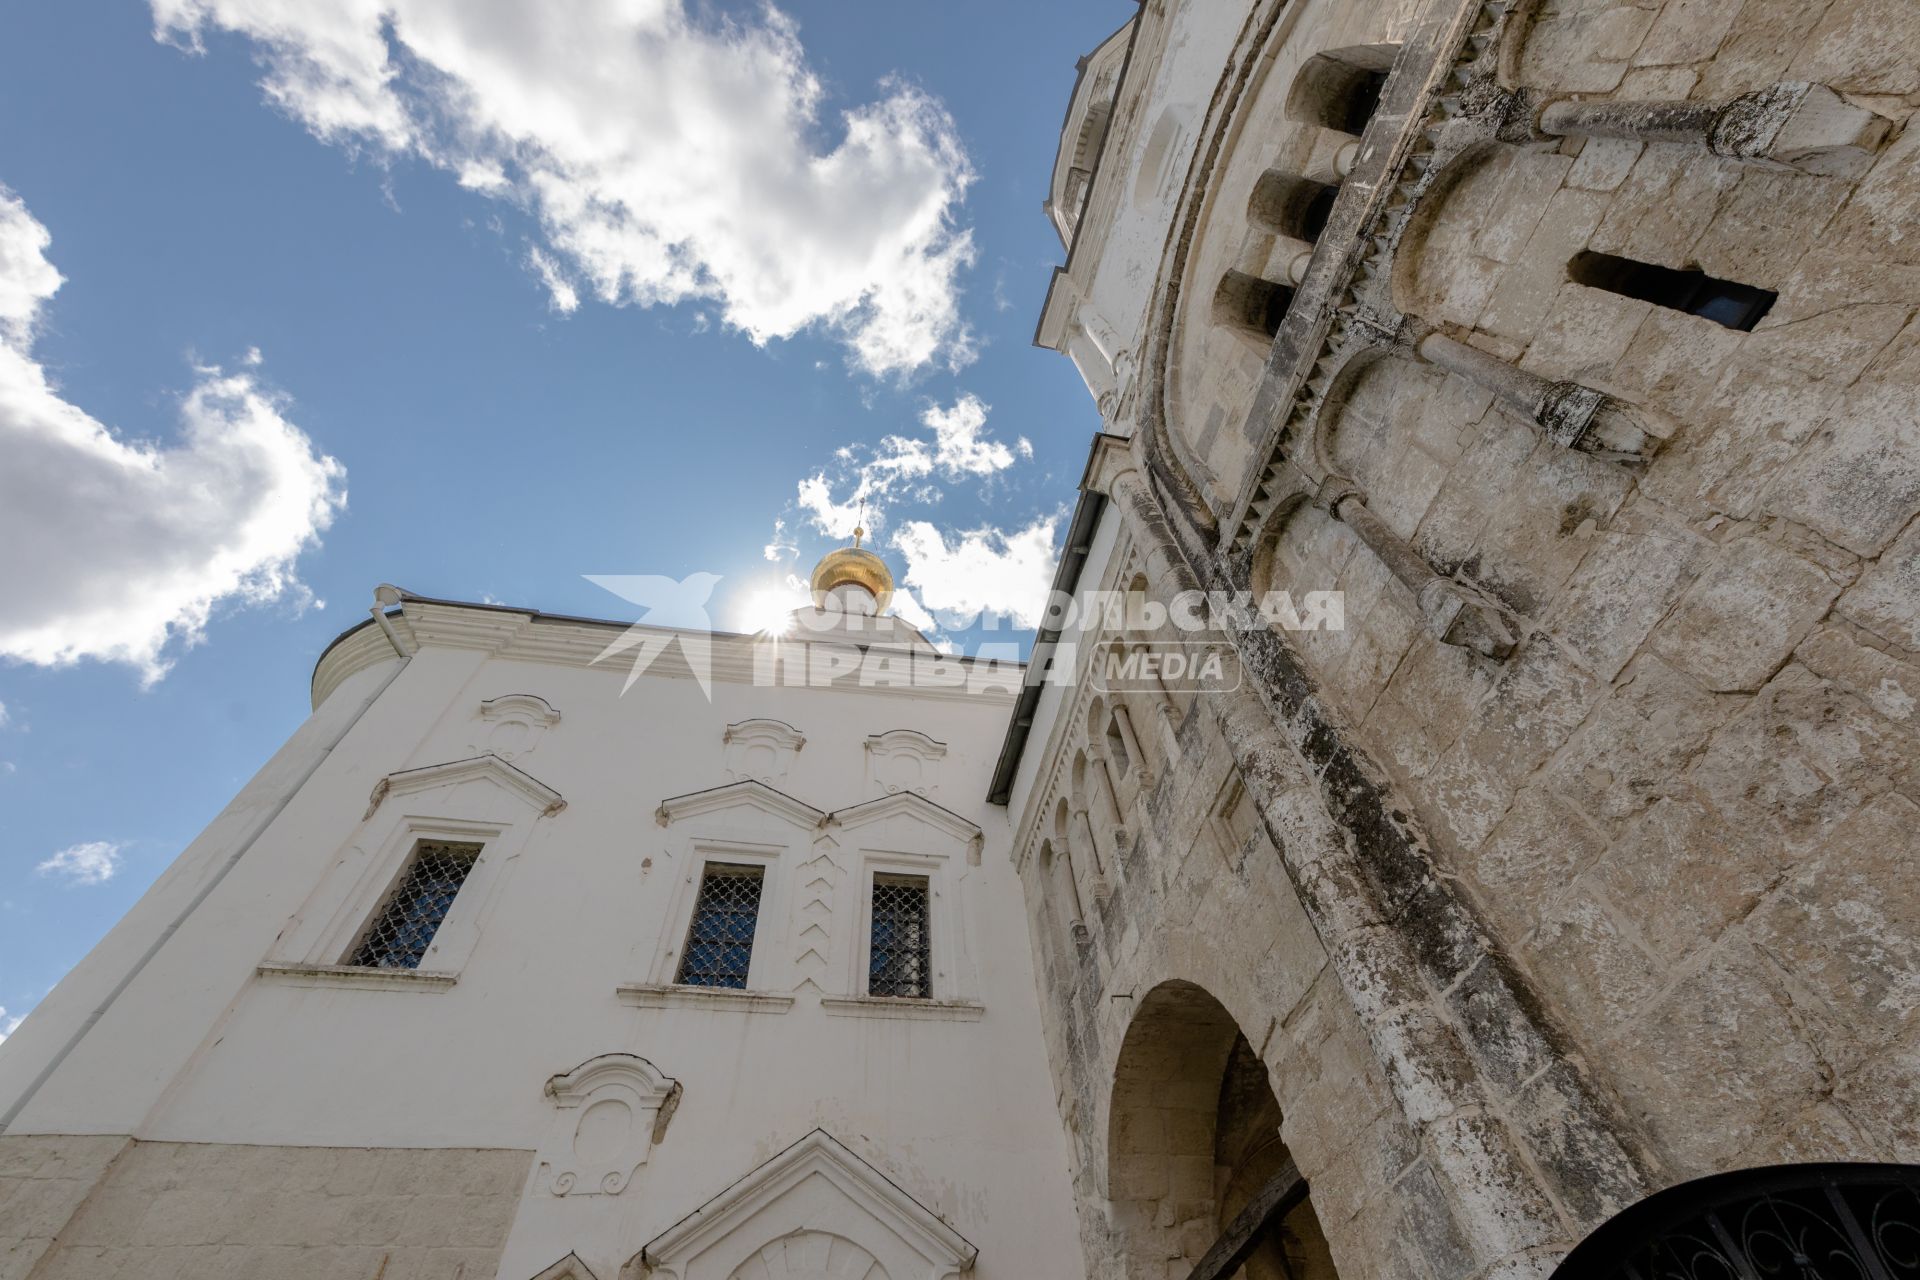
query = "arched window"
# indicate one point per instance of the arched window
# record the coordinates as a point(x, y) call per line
point(1340, 88)
point(1250, 306)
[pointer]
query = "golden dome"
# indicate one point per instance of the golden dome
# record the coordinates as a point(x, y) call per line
point(855, 565)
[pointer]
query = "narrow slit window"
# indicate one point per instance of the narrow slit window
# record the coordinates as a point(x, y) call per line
point(404, 927)
point(720, 940)
point(900, 961)
point(1725, 302)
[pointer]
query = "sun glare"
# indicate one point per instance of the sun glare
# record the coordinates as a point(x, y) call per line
point(769, 611)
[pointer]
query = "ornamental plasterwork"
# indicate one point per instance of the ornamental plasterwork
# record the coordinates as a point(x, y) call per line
point(512, 725)
point(609, 1111)
point(904, 760)
point(761, 749)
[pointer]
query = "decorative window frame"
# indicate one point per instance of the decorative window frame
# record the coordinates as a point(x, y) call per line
point(742, 823)
point(696, 854)
point(408, 808)
point(912, 836)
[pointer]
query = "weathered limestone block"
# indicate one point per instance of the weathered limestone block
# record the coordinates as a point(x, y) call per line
point(1631, 750)
point(1530, 859)
point(1628, 581)
point(1745, 615)
point(1886, 600)
point(167, 1209)
point(1721, 1058)
point(1801, 759)
point(1847, 924)
point(1685, 874)
point(1863, 46)
point(1887, 684)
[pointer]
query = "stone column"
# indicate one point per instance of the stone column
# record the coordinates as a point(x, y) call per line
point(1569, 414)
point(1806, 126)
point(1142, 769)
point(1406, 950)
point(1455, 613)
point(1087, 852)
point(1076, 912)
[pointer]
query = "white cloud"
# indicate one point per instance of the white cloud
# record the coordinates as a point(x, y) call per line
point(896, 469)
point(8, 1025)
point(781, 546)
point(561, 295)
point(94, 862)
point(116, 547)
point(667, 156)
point(958, 447)
point(5, 716)
point(982, 569)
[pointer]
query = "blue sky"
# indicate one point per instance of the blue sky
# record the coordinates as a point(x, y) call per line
point(356, 239)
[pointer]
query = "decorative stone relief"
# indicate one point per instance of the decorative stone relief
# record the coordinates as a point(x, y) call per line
point(808, 1255)
point(904, 760)
point(761, 749)
point(814, 1210)
point(512, 725)
point(610, 1110)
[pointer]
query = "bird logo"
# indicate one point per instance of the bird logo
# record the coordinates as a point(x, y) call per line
point(671, 610)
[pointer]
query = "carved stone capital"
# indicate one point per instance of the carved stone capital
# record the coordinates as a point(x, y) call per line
point(1807, 126)
point(1465, 617)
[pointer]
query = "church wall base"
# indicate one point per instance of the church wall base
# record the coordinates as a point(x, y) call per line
point(108, 1208)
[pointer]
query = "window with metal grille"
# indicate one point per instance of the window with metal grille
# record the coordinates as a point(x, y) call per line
point(720, 940)
point(900, 960)
point(404, 927)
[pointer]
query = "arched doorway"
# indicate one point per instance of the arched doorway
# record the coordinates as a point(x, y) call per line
point(1197, 1173)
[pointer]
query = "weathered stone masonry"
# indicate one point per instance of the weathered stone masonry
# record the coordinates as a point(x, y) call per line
point(1591, 835)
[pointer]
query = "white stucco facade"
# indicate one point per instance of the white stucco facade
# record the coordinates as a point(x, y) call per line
point(910, 1137)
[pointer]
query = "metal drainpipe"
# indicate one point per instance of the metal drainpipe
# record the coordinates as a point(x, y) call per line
point(384, 595)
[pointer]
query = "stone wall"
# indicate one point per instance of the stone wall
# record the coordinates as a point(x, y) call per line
point(107, 1209)
point(1671, 827)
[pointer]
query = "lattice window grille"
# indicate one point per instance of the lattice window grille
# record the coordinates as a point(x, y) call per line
point(900, 959)
point(720, 941)
point(405, 925)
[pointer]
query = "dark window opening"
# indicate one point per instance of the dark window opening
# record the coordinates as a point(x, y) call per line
point(1361, 100)
point(1250, 304)
point(720, 940)
point(1341, 88)
point(400, 934)
point(1725, 302)
point(900, 960)
point(1289, 205)
point(1313, 217)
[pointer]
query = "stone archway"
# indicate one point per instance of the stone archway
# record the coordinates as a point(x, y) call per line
point(1199, 1182)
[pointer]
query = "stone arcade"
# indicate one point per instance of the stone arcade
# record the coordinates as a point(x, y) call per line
point(1576, 344)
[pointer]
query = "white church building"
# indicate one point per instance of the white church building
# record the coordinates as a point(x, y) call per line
point(518, 962)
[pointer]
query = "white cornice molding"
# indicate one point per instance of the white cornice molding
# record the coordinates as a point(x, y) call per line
point(491, 767)
point(749, 793)
point(526, 636)
point(818, 1155)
